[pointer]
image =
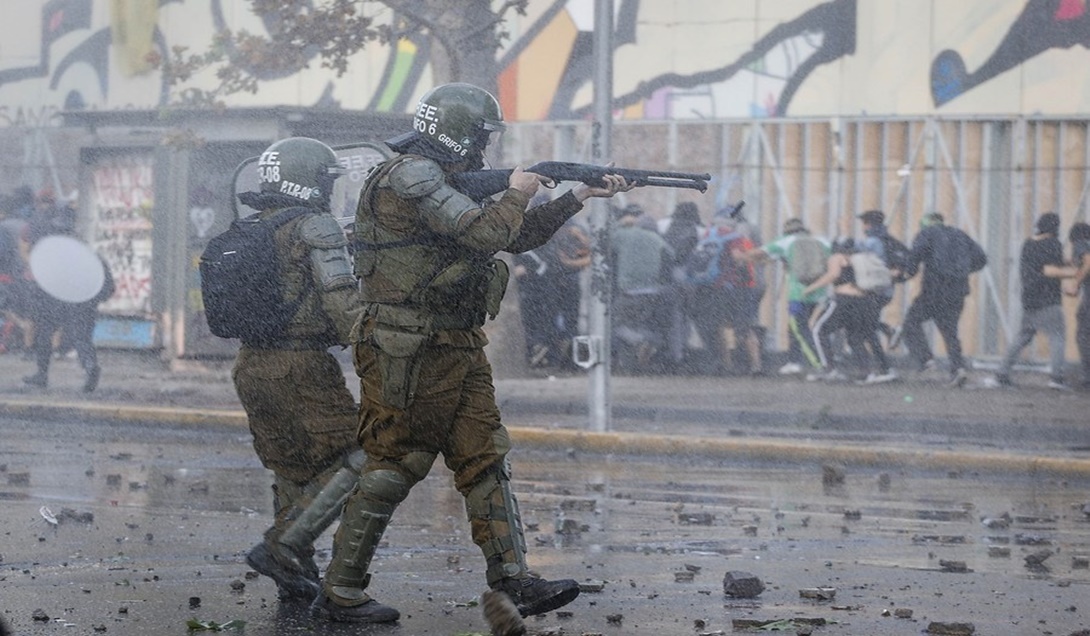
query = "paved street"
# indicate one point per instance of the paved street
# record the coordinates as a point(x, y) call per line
point(945, 495)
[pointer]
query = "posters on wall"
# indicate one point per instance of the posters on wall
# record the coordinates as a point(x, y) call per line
point(120, 204)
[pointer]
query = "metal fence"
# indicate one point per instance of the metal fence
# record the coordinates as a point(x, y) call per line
point(991, 177)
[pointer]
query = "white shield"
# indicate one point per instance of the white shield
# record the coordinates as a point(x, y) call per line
point(66, 269)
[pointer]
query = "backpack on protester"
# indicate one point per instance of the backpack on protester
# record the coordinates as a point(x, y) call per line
point(897, 256)
point(706, 266)
point(807, 259)
point(871, 272)
point(240, 280)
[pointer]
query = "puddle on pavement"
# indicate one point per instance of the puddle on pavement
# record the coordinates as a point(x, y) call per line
point(164, 496)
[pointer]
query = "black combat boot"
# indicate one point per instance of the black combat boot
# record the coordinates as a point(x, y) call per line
point(370, 611)
point(533, 596)
point(291, 583)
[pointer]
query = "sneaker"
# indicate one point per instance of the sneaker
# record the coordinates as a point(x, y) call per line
point(958, 378)
point(1058, 385)
point(92, 380)
point(533, 596)
point(895, 338)
point(790, 368)
point(371, 611)
point(290, 582)
point(37, 380)
point(880, 378)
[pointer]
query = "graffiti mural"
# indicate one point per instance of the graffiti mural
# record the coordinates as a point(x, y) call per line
point(1042, 25)
point(120, 201)
point(673, 59)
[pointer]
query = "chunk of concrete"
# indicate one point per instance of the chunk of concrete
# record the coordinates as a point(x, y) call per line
point(742, 585)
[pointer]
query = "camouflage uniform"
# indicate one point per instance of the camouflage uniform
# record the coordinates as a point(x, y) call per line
point(301, 414)
point(425, 380)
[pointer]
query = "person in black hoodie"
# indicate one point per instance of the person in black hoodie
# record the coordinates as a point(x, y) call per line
point(1042, 266)
point(949, 256)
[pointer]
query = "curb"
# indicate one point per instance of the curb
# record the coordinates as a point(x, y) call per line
point(622, 443)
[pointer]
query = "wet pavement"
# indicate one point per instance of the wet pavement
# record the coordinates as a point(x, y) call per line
point(945, 495)
point(153, 522)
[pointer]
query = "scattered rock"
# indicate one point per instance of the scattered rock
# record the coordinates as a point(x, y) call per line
point(853, 515)
point(582, 505)
point(902, 612)
point(996, 551)
point(99, 628)
point(951, 629)
point(113, 480)
point(194, 602)
point(592, 586)
point(1078, 562)
point(570, 527)
point(1002, 522)
point(953, 566)
point(237, 585)
point(124, 609)
point(742, 585)
point(696, 518)
point(68, 514)
point(685, 576)
point(832, 475)
point(749, 531)
point(937, 538)
point(1038, 558)
point(1031, 539)
point(40, 615)
point(614, 619)
point(818, 593)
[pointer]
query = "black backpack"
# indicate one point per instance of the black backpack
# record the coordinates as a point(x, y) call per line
point(897, 255)
point(240, 280)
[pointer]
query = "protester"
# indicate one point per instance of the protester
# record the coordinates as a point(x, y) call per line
point(549, 293)
point(801, 348)
point(1042, 266)
point(724, 289)
point(1080, 256)
point(949, 256)
point(855, 311)
point(640, 262)
point(877, 240)
point(681, 231)
point(281, 282)
point(428, 280)
point(76, 320)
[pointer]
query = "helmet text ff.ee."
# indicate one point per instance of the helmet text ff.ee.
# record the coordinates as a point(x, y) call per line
point(458, 119)
point(301, 168)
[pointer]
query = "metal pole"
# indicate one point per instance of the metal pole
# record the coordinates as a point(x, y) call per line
point(599, 403)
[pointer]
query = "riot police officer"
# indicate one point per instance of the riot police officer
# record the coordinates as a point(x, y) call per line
point(301, 414)
point(429, 276)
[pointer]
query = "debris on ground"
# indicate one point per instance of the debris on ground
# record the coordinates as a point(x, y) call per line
point(592, 585)
point(818, 593)
point(1002, 522)
point(953, 566)
point(832, 474)
point(40, 615)
point(999, 551)
point(951, 629)
point(696, 518)
point(195, 625)
point(778, 624)
point(1038, 558)
point(742, 584)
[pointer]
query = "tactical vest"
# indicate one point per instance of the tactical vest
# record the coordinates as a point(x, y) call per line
point(400, 261)
point(310, 327)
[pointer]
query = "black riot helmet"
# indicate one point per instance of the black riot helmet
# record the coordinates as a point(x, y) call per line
point(300, 168)
point(453, 124)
